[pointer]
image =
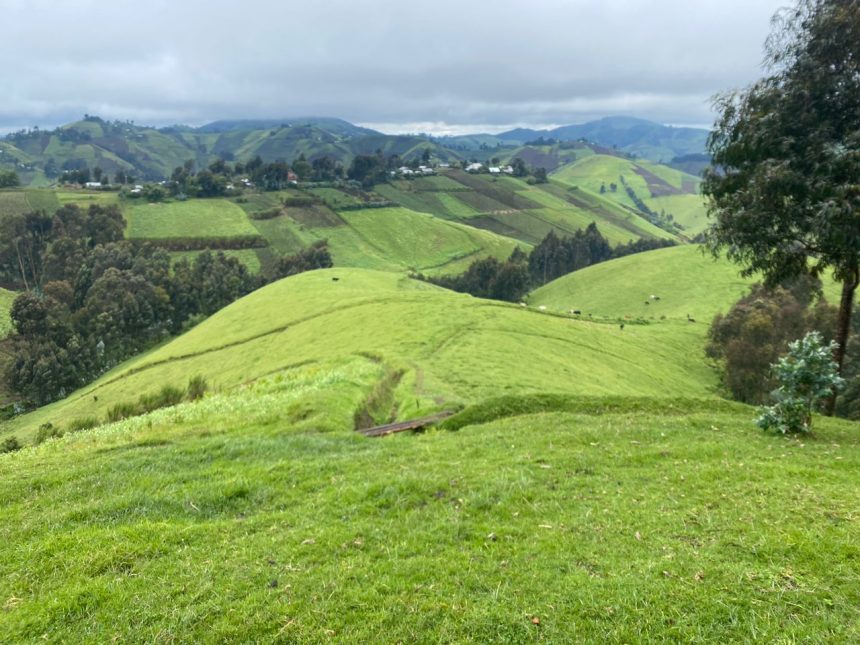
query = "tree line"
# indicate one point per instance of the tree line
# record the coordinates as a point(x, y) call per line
point(554, 257)
point(93, 299)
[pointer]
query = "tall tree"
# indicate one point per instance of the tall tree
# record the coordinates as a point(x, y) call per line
point(784, 190)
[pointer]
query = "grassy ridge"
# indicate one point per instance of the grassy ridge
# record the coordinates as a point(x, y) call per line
point(686, 281)
point(453, 348)
point(236, 519)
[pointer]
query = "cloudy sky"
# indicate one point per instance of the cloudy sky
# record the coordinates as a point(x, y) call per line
point(414, 65)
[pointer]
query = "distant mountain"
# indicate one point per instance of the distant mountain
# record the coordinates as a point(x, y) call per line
point(40, 156)
point(634, 136)
point(334, 126)
point(629, 135)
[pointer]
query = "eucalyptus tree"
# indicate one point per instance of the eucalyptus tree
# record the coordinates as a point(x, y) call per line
point(784, 188)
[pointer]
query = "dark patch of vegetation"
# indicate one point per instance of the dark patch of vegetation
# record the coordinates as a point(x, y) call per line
point(757, 330)
point(10, 444)
point(93, 299)
point(9, 179)
point(315, 256)
point(225, 243)
point(551, 259)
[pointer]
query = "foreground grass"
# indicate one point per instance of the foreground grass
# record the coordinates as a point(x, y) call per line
point(243, 518)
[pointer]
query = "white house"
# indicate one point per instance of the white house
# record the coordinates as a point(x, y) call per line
point(494, 170)
point(93, 184)
point(508, 170)
point(474, 167)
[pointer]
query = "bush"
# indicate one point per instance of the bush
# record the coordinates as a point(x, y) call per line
point(122, 411)
point(10, 444)
point(86, 423)
point(197, 387)
point(47, 431)
point(166, 397)
point(807, 376)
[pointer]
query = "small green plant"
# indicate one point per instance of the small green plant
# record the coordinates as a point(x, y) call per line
point(10, 444)
point(197, 387)
point(86, 423)
point(807, 376)
point(47, 431)
point(122, 411)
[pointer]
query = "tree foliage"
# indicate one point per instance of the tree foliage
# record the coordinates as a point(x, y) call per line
point(807, 375)
point(784, 190)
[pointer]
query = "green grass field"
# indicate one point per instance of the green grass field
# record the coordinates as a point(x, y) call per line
point(192, 218)
point(453, 349)
point(258, 516)
point(6, 298)
point(13, 203)
point(686, 281)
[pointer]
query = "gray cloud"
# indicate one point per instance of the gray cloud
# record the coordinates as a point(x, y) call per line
point(443, 64)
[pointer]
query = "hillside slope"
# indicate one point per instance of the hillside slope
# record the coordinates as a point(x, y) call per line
point(663, 190)
point(686, 280)
point(450, 348)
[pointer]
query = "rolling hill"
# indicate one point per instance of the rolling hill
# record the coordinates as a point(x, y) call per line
point(575, 496)
point(662, 190)
point(452, 349)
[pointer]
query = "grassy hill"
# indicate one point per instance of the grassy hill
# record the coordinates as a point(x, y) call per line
point(515, 209)
point(593, 514)
point(660, 188)
point(686, 280)
point(452, 349)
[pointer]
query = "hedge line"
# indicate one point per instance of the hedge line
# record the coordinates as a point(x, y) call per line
point(203, 243)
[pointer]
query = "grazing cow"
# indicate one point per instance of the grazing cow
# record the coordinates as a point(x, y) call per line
point(577, 312)
point(522, 304)
point(621, 326)
point(335, 279)
point(542, 307)
point(690, 319)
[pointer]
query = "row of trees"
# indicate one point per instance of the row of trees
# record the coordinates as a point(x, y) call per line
point(93, 299)
point(554, 257)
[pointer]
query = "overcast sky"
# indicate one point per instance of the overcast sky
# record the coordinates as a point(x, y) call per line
point(399, 65)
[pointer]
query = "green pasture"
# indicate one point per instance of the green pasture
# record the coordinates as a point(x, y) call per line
point(259, 516)
point(43, 200)
point(452, 348)
point(13, 202)
point(192, 218)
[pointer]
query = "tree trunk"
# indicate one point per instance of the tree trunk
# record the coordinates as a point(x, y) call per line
point(843, 327)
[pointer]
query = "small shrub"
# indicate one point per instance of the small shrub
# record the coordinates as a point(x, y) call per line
point(10, 444)
point(197, 387)
point(166, 397)
point(807, 376)
point(47, 431)
point(122, 411)
point(86, 423)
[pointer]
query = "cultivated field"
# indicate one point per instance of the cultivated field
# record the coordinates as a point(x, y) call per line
point(192, 218)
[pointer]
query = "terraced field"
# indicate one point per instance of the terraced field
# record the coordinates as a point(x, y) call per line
point(513, 208)
point(661, 188)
